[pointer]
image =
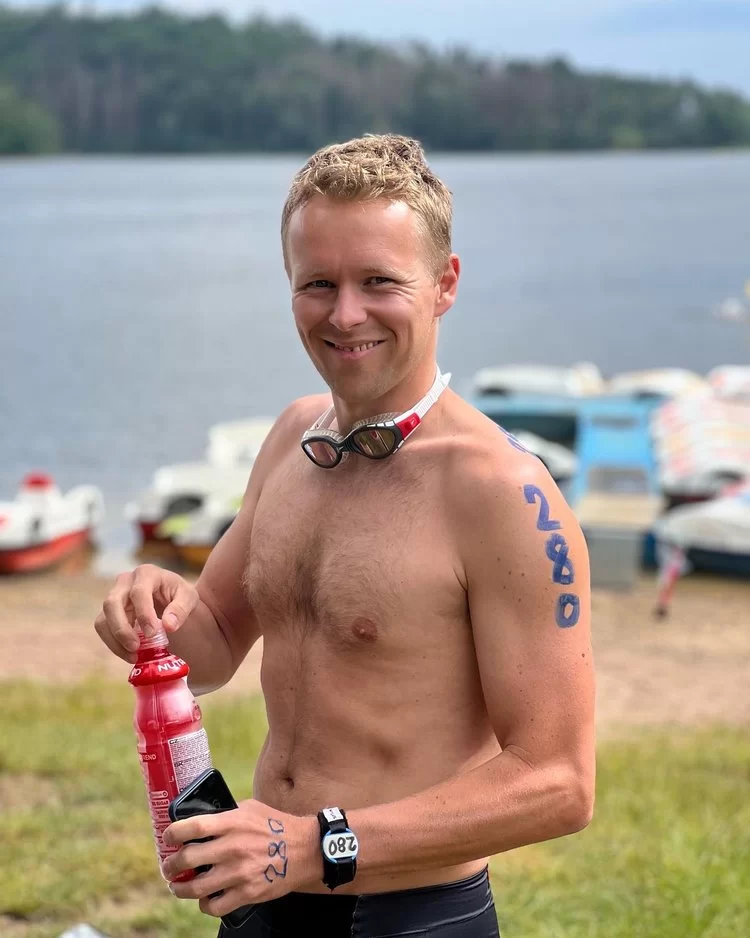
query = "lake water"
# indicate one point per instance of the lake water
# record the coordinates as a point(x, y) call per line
point(142, 300)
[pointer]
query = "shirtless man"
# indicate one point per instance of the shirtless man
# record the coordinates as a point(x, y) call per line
point(427, 664)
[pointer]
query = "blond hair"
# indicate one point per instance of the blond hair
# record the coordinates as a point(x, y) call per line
point(378, 166)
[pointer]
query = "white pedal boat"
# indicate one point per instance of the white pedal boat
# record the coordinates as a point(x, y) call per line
point(184, 487)
point(43, 526)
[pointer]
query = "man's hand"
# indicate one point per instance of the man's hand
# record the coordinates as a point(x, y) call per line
point(142, 598)
point(257, 854)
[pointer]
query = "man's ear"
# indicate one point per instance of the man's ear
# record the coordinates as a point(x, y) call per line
point(447, 286)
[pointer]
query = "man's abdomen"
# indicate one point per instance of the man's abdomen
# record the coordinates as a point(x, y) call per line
point(365, 732)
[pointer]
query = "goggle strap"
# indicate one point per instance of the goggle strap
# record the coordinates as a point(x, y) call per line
point(438, 386)
point(324, 420)
point(322, 424)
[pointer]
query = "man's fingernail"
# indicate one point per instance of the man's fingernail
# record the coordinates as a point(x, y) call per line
point(170, 619)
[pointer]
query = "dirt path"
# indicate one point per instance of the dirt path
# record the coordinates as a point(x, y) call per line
point(691, 668)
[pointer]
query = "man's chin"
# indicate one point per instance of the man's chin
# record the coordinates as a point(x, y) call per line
point(356, 389)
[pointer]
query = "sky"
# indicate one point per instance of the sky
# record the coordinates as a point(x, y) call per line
point(706, 40)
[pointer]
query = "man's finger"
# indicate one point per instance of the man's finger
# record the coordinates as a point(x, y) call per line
point(190, 857)
point(228, 901)
point(103, 631)
point(192, 828)
point(183, 603)
point(145, 582)
point(118, 624)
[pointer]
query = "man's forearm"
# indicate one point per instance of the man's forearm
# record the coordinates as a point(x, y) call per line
point(498, 806)
point(201, 642)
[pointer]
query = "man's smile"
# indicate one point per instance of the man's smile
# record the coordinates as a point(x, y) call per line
point(351, 351)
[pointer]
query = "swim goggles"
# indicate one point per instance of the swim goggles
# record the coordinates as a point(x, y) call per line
point(374, 437)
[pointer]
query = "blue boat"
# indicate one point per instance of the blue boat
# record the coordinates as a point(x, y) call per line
point(551, 416)
point(614, 490)
point(614, 449)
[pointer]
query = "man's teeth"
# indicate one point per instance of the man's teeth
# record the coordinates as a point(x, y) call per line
point(356, 348)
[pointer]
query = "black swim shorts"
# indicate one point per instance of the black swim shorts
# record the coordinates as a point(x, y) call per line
point(464, 909)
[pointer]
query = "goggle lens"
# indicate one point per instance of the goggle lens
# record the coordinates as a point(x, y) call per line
point(322, 454)
point(377, 443)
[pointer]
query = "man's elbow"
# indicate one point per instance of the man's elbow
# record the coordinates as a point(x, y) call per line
point(579, 800)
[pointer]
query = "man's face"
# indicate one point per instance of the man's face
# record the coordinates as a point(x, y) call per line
point(365, 300)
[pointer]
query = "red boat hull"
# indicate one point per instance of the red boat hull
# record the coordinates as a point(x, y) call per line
point(42, 556)
point(148, 530)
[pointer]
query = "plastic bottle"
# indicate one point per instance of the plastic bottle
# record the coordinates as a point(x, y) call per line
point(172, 744)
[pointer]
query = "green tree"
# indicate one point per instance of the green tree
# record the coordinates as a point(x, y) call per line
point(157, 81)
point(24, 126)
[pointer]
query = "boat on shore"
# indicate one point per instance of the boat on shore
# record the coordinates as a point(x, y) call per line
point(702, 447)
point(42, 527)
point(644, 443)
point(578, 380)
point(605, 426)
point(615, 493)
point(179, 489)
point(193, 535)
point(713, 536)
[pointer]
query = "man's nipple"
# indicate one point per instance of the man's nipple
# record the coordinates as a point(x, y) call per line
point(365, 630)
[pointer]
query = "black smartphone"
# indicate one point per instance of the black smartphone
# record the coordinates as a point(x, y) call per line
point(209, 794)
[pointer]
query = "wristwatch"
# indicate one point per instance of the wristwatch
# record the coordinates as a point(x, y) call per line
point(339, 846)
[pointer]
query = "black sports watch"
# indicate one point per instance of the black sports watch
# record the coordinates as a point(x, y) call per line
point(339, 846)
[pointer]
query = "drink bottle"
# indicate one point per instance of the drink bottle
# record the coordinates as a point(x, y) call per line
point(172, 743)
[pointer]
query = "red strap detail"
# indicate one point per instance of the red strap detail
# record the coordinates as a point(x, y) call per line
point(408, 424)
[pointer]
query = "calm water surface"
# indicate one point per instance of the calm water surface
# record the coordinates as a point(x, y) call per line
point(142, 300)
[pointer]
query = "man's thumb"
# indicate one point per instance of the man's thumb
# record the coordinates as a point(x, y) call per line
point(173, 617)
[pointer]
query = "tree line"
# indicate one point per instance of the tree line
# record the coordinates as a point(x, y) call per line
point(157, 81)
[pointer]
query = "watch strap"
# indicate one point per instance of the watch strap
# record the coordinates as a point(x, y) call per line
point(333, 820)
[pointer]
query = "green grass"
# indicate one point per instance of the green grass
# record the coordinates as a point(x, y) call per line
point(667, 855)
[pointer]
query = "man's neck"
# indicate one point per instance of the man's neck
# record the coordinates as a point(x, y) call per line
point(399, 399)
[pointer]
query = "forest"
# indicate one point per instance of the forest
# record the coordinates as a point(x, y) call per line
point(157, 81)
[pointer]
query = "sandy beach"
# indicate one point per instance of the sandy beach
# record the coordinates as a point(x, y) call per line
point(690, 668)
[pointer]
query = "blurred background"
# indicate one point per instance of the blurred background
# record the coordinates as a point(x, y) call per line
point(599, 157)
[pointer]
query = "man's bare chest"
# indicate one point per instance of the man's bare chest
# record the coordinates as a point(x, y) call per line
point(352, 561)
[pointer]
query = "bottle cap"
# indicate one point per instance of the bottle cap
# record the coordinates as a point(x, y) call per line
point(159, 639)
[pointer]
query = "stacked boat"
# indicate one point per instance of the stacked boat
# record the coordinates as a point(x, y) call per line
point(640, 445)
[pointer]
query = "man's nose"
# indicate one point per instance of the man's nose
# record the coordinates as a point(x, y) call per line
point(348, 310)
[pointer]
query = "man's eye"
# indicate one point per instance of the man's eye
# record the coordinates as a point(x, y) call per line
point(377, 281)
point(320, 284)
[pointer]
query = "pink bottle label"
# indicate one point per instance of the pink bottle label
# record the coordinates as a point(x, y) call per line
point(168, 769)
point(161, 788)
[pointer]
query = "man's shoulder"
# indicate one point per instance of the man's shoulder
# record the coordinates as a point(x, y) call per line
point(491, 474)
point(302, 413)
point(502, 500)
point(286, 432)
point(489, 457)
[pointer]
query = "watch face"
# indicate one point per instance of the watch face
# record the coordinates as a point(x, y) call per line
point(340, 847)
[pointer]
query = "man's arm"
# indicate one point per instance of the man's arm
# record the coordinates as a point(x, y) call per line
point(527, 579)
point(221, 630)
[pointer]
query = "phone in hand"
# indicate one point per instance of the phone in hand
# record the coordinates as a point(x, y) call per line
point(209, 794)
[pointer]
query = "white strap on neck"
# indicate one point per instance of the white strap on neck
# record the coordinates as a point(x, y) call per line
point(438, 386)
